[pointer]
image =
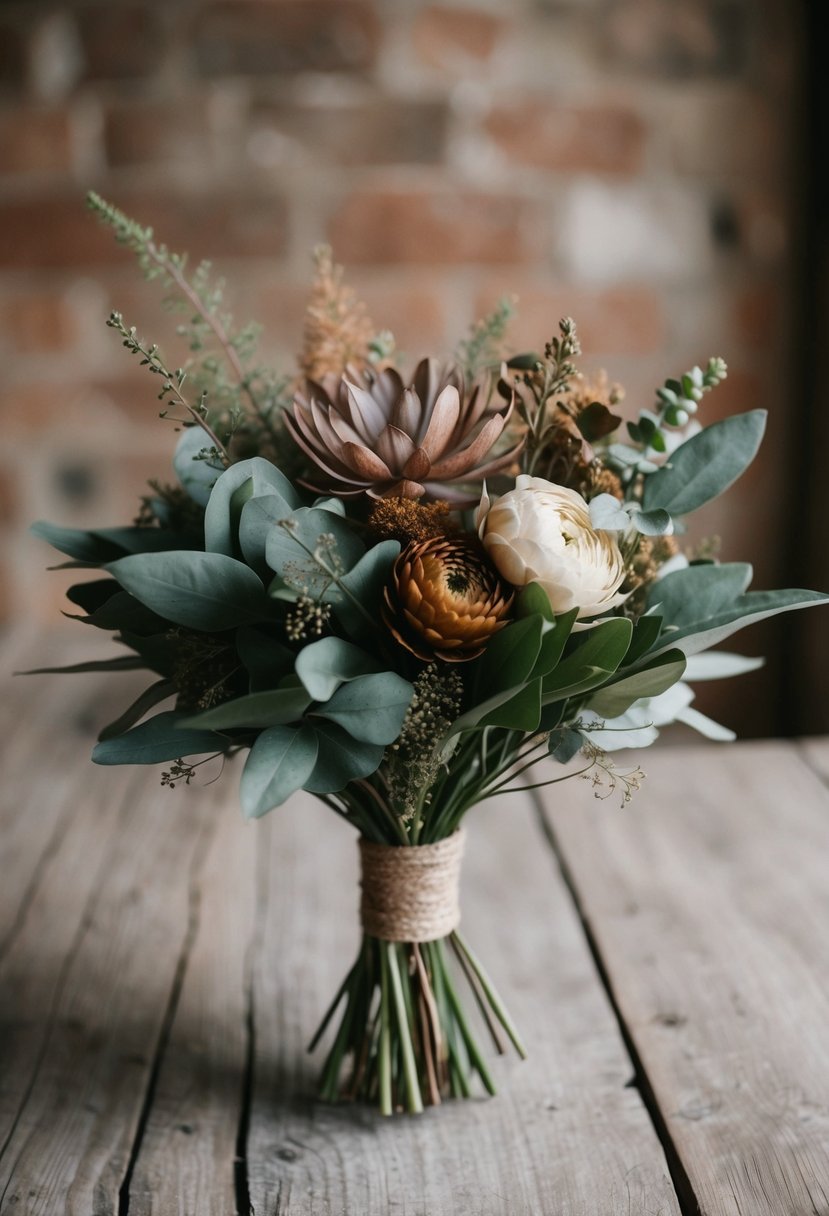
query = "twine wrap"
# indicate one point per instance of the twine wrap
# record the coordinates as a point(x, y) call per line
point(410, 893)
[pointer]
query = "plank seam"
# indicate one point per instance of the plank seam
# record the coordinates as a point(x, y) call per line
point(241, 1175)
point(686, 1197)
point(86, 919)
point(194, 899)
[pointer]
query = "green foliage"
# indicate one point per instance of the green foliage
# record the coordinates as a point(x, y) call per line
point(483, 348)
point(206, 591)
point(281, 760)
point(324, 665)
point(677, 402)
point(706, 464)
point(370, 707)
point(162, 737)
point(648, 681)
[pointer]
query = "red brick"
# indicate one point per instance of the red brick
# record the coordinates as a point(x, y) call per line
point(613, 321)
point(35, 322)
point(443, 35)
point(538, 132)
point(436, 227)
point(57, 231)
point(265, 37)
point(35, 141)
point(382, 132)
point(157, 132)
point(695, 38)
point(120, 40)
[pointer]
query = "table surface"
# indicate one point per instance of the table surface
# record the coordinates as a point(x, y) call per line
point(162, 965)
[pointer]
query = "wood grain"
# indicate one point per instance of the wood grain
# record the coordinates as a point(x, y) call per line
point(565, 1135)
point(86, 988)
point(708, 901)
point(186, 1162)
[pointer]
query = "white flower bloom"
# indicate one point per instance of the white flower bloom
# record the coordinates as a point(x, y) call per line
point(541, 533)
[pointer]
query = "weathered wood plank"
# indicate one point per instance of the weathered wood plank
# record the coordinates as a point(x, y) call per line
point(708, 901)
point(86, 988)
point(565, 1136)
point(46, 724)
point(186, 1162)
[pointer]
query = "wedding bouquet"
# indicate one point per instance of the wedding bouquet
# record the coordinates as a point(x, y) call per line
point(398, 591)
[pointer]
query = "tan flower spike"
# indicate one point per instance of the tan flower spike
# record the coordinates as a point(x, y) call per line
point(371, 434)
point(445, 600)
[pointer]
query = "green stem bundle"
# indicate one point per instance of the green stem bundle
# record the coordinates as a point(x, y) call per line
point(404, 1040)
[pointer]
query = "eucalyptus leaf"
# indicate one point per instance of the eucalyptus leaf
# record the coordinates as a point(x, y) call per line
point(197, 477)
point(750, 608)
point(249, 479)
point(263, 656)
point(206, 591)
point(160, 738)
point(148, 700)
point(357, 600)
point(124, 611)
point(85, 547)
point(258, 517)
point(564, 743)
point(653, 523)
point(706, 464)
point(607, 514)
point(340, 759)
point(289, 550)
point(370, 707)
point(128, 662)
point(280, 762)
point(276, 707)
point(92, 595)
point(698, 592)
point(324, 665)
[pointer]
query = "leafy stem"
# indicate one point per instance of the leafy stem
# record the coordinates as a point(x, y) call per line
point(173, 381)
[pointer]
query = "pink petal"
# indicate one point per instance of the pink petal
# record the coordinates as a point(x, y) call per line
point(394, 447)
point(367, 409)
point(418, 465)
point(445, 415)
point(459, 463)
point(365, 463)
point(408, 414)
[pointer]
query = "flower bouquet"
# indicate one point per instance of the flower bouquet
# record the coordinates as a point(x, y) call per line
point(399, 592)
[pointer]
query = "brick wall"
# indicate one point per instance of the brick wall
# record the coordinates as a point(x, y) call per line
point(626, 161)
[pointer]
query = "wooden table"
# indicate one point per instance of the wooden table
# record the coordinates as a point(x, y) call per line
point(162, 965)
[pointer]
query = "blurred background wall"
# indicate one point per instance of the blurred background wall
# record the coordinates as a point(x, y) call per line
point(637, 164)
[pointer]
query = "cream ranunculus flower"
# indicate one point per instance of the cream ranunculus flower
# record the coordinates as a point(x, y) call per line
point(541, 533)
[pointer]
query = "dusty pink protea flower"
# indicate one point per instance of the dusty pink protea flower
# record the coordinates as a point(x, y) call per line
point(370, 434)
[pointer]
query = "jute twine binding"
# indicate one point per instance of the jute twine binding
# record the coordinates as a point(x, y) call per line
point(410, 894)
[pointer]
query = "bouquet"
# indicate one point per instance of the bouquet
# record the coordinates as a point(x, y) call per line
point(398, 590)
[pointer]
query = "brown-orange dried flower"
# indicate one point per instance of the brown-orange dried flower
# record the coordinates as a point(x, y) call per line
point(445, 600)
